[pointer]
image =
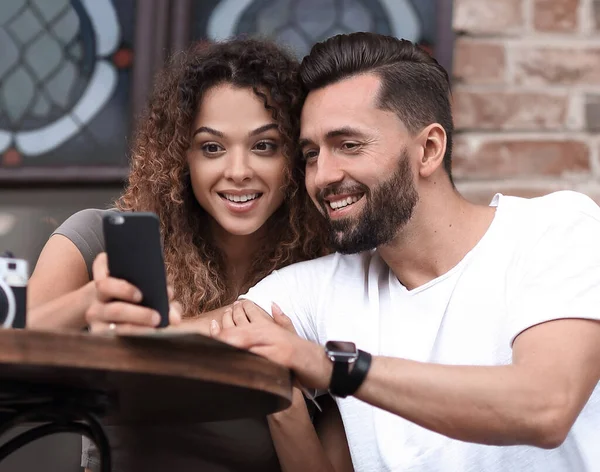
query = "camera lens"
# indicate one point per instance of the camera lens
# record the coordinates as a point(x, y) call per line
point(12, 265)
point(117, 220)
point(3, 306)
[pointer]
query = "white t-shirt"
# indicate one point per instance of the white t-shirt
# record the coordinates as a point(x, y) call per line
point(538, 261)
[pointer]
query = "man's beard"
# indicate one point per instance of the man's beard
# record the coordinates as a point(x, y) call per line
point(387, 208)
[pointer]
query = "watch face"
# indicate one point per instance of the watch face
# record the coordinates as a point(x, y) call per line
point(341, 349)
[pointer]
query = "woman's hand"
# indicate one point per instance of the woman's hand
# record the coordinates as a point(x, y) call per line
point(247, 326)
point(116, 305)
point(242, 313)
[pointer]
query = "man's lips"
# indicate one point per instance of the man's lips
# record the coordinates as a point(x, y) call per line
point(337, 206)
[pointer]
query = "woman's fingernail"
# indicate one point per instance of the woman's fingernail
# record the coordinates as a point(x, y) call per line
point(236, 303)
point(137, 296)
point(155, 318)
point(214, 327)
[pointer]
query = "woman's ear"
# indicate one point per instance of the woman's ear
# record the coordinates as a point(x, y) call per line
point(433, 142)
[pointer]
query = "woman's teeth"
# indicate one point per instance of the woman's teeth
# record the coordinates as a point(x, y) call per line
point(241, 198)
point(343, 203)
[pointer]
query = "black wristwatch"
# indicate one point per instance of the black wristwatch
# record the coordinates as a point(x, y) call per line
point(350, 367)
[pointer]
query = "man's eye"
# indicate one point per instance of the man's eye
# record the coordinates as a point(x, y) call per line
point(309, 155)
point(350, 146)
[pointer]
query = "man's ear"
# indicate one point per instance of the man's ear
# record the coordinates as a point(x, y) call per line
point(432, 141)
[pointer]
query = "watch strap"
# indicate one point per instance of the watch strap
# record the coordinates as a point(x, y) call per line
point(347, 377)
point(339, 378)
point(358, 372)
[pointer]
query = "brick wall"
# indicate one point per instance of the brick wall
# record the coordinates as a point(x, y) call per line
point(527, 97)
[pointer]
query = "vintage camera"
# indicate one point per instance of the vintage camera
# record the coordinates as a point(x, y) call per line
point(13, 291)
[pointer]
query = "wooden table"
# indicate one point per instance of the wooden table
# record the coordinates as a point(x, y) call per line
point(66, 382)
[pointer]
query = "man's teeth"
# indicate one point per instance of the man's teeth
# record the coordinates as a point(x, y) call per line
point(240, 198)
point(342, 203)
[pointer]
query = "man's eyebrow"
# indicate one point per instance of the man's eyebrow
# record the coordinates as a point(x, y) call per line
point(334, 133)
point(263, 128)
point(206, 129)
point(343, 131)
point(304, 142)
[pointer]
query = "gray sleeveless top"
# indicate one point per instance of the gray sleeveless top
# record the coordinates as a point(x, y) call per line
point(224, 446)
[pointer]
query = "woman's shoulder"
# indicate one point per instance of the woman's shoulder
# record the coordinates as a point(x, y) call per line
point(84, 230)
point(90, 218)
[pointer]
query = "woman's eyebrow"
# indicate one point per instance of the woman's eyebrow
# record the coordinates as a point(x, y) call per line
point(263, 128)
point(206, 129)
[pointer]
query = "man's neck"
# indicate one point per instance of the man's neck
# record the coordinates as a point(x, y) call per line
point(443, 229)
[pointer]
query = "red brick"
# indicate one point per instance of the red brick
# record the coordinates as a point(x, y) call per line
point(488, 17)
point(572, 65)
point(504, 158)
point(592, 112)
point(489, 110)
point(479, 62)
point(594, 193)
point(596, 13)
point(555, 15)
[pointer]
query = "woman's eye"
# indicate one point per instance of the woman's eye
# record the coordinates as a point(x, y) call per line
point(265, 146)
point(211, 148)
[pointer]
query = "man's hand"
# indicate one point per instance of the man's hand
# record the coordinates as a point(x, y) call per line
point(117, 305)
point(247, 326)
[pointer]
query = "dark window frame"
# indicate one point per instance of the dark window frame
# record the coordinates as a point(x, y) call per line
point(153, 20)
point(163, 26)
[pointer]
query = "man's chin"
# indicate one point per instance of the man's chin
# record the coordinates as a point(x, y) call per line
point(348, 246)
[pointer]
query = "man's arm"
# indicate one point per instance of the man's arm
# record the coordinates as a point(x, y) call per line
point(533, 401)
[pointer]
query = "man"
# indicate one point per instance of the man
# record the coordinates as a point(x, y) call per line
point(478, 326)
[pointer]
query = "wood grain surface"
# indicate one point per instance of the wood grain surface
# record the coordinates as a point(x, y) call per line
point(178, 377)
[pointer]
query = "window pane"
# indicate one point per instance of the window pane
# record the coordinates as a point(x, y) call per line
point(65, 72)
point(301, 23)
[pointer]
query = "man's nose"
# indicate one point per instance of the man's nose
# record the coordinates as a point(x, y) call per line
point(328, 171)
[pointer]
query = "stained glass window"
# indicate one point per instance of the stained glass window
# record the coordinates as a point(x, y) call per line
point(301, 23)
point(65, 72)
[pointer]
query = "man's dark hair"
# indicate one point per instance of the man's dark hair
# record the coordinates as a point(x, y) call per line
point(413, 84)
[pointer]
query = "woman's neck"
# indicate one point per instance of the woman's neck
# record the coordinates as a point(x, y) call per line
point(238, 252)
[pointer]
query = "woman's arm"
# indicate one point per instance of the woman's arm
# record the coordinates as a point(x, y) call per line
point(302, 446)
point(59, 290)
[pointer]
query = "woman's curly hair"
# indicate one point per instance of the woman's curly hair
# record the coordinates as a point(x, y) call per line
point(159, 180)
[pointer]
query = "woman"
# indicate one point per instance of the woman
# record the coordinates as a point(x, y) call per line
point(214, 158)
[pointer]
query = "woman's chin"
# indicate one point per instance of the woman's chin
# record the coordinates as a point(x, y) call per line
point(245, 228)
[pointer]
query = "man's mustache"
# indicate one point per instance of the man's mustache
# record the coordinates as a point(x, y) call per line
point(341, 189)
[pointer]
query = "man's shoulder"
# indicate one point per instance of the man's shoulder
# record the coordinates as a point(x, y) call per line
point(328, 266)
point(557, 208)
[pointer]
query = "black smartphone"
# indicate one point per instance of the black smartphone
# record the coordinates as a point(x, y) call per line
point(134, 250)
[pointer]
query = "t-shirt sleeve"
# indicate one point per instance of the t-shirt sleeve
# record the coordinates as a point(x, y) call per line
point(561, 273)
point(84, 229)
point(297, 290)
